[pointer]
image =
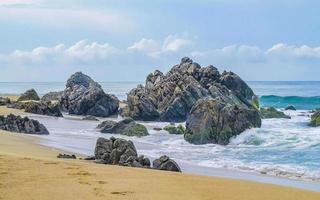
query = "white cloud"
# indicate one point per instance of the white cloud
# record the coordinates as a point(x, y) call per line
point(250, 62)
point(156, 49)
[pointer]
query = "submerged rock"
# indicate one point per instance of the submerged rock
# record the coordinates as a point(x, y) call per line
point(124, 127)
point(43, 108)
point(315, 118)
point(29, 95)
point(271, 112)
point(52, 96)
point(172, 129)
point(291, 107)
point(215, 121)
point(165, 163)
point(83, 96)
point(170, 97)
point(22, 125)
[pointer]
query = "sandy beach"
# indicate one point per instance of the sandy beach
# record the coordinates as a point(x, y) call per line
point(31, 171)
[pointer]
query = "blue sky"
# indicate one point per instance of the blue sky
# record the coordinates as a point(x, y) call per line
point(124, 40)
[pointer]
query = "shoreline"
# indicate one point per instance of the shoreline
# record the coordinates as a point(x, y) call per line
point(26, 165)
point(188, 168)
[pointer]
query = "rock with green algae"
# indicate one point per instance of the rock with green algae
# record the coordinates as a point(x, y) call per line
point(124, 127)
point(315, 119)
point(177, 130)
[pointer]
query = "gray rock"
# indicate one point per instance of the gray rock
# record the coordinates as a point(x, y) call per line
point(43, 108)
point(83, 96)
point(22, 125)
point(216, 121)
point(124, 127)
point(114, 151)
point(4, 101)
point(52, 96)
point(170, 97)
point(165, 163)
point(29, 95)
point(16, 105)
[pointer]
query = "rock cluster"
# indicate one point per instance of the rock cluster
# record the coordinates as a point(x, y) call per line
point(83, 96)
point(271, 112)
point(52, 96)
point(215, 121)
point(29, 95)
point(22, 125)
point(122, 152)
point(170, 97)
point(124, 127)
point(43, 108)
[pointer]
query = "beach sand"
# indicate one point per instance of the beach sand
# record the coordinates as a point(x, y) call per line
point(31, 171)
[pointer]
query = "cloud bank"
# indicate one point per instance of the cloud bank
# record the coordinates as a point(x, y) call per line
point(109, 62)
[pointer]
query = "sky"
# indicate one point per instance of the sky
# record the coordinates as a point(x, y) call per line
point(125, 40)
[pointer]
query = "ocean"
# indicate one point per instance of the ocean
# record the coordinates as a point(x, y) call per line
point(282, 147)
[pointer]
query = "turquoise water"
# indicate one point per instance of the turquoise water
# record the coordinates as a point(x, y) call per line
point(302, 94)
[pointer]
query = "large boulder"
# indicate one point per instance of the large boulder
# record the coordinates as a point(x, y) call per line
point(271, 112)
point(124, 127)
point(43, 108)
point(170, 97)
point(315, 118)
point(165, 163)
point(22, 125)
point(83, 96)
point(29, 95)
point(52, 96)
point(213, 120)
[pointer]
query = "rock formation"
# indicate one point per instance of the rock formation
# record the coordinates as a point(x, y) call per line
point(124, 127)
point(215, 121)
point(177, 130)
point(291, 107)
point(170, 97)
point(29, 95)
point(22, 125)
point(83, 96)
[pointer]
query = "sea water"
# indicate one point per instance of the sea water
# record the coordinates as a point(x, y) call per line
point(282, 147)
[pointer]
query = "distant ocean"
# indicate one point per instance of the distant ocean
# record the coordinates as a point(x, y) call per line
point(282, 147)
point(301, 94)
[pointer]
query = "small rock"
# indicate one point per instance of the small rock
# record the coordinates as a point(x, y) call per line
point(271, 112)
point(4, 101)
point(66, 156)
point(157, 128)
point(179, 130)
point(165, 163)
point(52, 96)
point(90, 118)
point(291, 107)
point(90, 158)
